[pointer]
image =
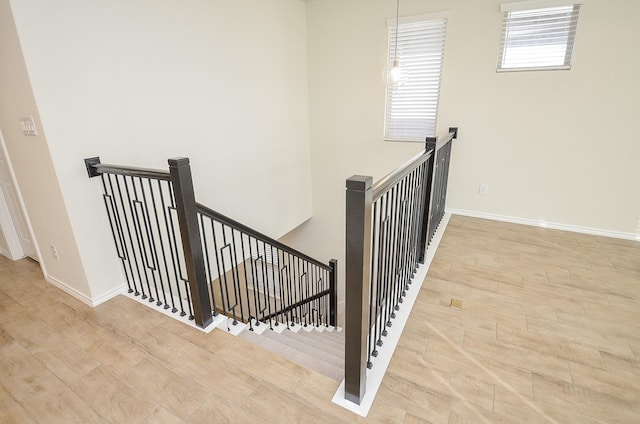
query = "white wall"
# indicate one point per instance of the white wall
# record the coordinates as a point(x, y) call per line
point(137, 82)
point(554, 146)
point(32, 165)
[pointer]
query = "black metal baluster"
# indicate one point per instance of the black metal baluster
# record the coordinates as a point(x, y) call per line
point(374, 276)
point(395, 199)
point(237, 289)
point(246, 279)
point(149, 251)
point(177, 249)
point(126, 207)
point(116, 228)
point(399, 288)
point(255, 282)
point(207, 261)
point(275, 279)
point(161, 242)
point(224, 272)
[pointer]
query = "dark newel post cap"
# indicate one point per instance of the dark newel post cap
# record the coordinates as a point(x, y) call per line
point(359, 183)
point(88, 163)
point(454, 130)
point(178, 162)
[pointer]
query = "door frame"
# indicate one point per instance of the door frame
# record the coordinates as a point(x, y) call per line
point(9, 226)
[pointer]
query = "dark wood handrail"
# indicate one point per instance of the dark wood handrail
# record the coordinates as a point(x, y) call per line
point(388, 181)
point(95, 168)
point(258, 235)
point(297, 304)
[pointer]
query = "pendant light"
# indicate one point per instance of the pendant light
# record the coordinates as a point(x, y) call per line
point(396, 75)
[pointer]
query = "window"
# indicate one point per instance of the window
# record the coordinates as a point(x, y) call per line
point(537, 39)
point(412, 107)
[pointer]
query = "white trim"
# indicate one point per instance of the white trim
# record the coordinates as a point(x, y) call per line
point(15, 251)
point(391, 22)
point(536, 68)
point(376, 374)
point(108, 295)
point(546, 224)
point(7, 254)
point(217, 320)
point(93, 302)
point(400, 140)
point(22, 205)
point(69, 290)
point(535, 4)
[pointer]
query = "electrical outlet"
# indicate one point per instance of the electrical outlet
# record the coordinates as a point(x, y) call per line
point(54, 251)
point(483, 190)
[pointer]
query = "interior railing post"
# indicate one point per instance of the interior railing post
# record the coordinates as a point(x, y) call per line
point(333, 293)
point(358, 251)
point(180, 172)
point(431, 144)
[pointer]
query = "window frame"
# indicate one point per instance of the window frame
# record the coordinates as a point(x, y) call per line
point(544, 7)
point(389, 91)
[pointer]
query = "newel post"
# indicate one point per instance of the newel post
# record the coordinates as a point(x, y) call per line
point(431, 144)
point(357, 287)
point(333, 293)
point(182, 183)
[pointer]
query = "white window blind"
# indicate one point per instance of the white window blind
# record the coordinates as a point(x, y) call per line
point(537, 39)
point(412, 107)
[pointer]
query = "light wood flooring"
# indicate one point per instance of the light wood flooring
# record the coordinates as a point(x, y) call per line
point(548, 332)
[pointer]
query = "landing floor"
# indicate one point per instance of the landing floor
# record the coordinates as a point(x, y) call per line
point(549, 331)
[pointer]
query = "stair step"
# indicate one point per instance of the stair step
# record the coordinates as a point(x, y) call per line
point(322, 342)
point(281, 345)
point(311, 347)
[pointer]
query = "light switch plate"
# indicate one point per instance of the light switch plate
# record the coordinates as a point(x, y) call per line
point(28, 126)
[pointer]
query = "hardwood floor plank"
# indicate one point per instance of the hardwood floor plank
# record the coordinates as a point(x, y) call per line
point(264, 365)
point(602, 341)
point(48, 400)
point(11, 411)
point(551, 345)
point(589, 402)
point(220, 377)
point(178, 395)
point(67, 362)
point(161, 415)
point(110, 350)
point(290, 409)
point(219, 410)
point(415, 399)
point(452, 384)
point(619, 385)
point(112, 398)
point(491, 370)
point(548, 333)
point(519, 357)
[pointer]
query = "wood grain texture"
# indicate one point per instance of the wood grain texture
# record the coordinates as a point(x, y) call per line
point(549, 332)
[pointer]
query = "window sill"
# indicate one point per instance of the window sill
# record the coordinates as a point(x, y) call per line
point(405, 140)
point(535, 68)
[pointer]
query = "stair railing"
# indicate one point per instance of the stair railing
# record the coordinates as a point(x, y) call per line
point(272, 283)
point(389, 225)
point(195, 261)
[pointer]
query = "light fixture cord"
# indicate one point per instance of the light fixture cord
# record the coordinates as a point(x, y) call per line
point(395, 48)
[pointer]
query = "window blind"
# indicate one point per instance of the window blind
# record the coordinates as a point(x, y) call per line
point(538, 38)
point(412, 107)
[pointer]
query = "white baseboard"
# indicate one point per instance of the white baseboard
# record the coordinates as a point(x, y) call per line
point(9, 255)
point(93, 302)
point(109, 295)
point(380, 363)
point(69, 290)
point(545, 224)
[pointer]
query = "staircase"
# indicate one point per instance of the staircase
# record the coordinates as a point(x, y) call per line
point(321, 351)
